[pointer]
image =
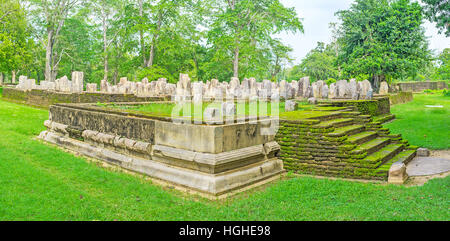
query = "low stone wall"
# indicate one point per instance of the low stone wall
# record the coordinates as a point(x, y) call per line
point(421, 86)
point(212, 159)
point(401, 98)
point(44, 98)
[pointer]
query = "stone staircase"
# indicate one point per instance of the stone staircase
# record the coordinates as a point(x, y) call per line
point(341, 143)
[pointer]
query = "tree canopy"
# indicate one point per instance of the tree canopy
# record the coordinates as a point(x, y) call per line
point(438, 11)
point(108, 39)
point(383, 39)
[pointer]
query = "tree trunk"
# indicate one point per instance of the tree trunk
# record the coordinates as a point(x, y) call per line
point(141, 33)
point(155, 37)
point(48, 57)
point(152, 55)
point(13, 78)
point(376, 80)
point(1, 78)
point(116, 75)
point(236, 62)
point(105, 49)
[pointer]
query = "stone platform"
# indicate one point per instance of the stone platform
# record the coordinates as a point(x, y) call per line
point(211, 159)
point(427, 166)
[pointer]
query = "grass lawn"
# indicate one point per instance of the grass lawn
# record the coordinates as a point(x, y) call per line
point(423, 126)
point(41, 182)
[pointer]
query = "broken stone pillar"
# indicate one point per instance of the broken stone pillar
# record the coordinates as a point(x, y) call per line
point(197, 92)
point(77, 82)
point(384, 88)
point(309, 92)
point(91, 87)
point(123, 81)
point(22, 84)
point(342, 91)
point(303, 85)
point(184, 86)
point(290, 105)
point(104, 86)
point(212, 115)
point(353, 89)
point(64, 84)
point(332, 91)
point(366, 90)
point(325, 92)
point(228, 109)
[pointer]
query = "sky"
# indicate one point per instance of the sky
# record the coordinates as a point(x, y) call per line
point(316, 16)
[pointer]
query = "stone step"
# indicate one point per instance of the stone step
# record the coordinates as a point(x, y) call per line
point(405, 156)
point(376, 159)
point(381, 119)
point(347, 130)
point(330, 108)
point(350, 114)
point(362, 137)
point(335, 123)
point(384, 131)
point(372, 146)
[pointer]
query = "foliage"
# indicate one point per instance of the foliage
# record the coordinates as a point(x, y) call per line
point(242, 31)
point(438, 11)
point(383, 39)
point(443, 71)
point(15, 41)
point(155, 73)
point(320, 63)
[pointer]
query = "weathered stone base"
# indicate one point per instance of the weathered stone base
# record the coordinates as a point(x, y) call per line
point(215, 184)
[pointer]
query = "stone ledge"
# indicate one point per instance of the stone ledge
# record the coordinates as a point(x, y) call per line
point(214, 184)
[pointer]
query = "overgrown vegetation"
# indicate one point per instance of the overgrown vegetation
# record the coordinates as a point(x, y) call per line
point(41, 182)
point(378, 40)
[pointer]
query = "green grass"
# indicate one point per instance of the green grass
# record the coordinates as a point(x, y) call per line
point(423, 126)
point(41, 182)
point(195, 111)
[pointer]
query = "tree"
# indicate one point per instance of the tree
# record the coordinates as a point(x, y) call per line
point(438, 11)
point(106, 10)
point(240, 27)
point(383, 39)
point(51, 15)
point(443, 71)
point(320, 62)
point(15, 42)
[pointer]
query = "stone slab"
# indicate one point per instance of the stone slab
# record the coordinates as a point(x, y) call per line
point(425, 166)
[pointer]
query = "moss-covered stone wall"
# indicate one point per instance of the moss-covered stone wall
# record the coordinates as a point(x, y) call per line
point(401, 98)
point(421, 86)
point(377, 106)
point(43, 98)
